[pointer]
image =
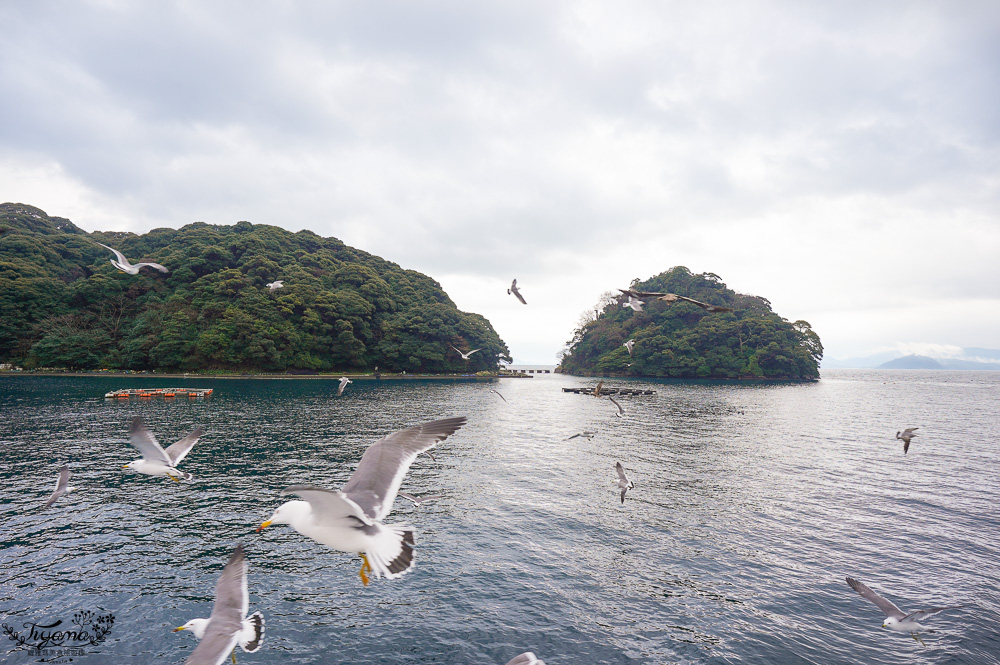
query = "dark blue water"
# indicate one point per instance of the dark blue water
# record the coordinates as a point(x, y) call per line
point(751, 505)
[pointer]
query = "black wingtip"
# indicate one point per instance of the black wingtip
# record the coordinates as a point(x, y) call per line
point(404, 561)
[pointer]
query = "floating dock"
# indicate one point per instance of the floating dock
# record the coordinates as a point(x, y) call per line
point(609, 391)
point(149, 393)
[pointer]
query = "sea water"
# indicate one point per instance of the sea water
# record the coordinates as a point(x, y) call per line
point(752, 503)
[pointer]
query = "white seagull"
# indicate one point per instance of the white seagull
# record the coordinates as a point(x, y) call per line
point(628, 345)
point(896, 619)
point(417, 500)
point(513, 289)
point(275, 285)
point(526, 658)
point(62, 486)
point(671, 298)
point(155, 460)
point(465, 356)
point(634, 303)
point(350, 519)
point(126, 267)
point(624, 484)
point(498, 395)
point(343, 384)
point(227, 627)
point(905, 437)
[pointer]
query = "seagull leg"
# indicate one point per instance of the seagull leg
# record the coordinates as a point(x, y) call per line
point(234, 656)
point(916, 636)
point(365, 568)
point(172, 478)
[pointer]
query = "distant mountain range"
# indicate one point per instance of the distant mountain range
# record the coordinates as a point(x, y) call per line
point(970, 358)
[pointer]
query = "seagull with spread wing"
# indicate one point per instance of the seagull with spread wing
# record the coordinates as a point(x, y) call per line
point(624, 484)
point(229, 624)
point(126, 267)
point(905, 436)
point(155, 460)
point(643, 296)
point(343, 384)
point(62, 486)
point(350, 519)
point(513, 290)
point(896, 619)
point(275, 285)
point(465, 356)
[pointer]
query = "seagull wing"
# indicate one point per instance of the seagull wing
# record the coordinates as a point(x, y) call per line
point(910, 431)
point(151, 265)
point(178, 450)
point(498, 395)
point(472, 351)
point(517, 294)
point(330, 507)
point(526, 658)
point(621, 411)
point(376, 481)
point(622, 478)
point(62, 482)
point(923, 614)
point(118, 255)
point(140, 437)
point(703, 305)
point(887, 607)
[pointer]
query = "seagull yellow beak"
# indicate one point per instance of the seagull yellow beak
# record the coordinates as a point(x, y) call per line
point(263, 526)
point(124, 466)
point(176, 629)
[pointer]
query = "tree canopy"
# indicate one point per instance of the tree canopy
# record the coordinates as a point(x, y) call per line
point(683, 340)
point(62, 304)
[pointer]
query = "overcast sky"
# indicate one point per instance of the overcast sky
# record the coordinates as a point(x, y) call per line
point(840, 159)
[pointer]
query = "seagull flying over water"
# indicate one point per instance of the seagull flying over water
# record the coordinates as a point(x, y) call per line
point(526, 658)
point(498, 395)
point(896, 619)
point(465, 356)
point(350, 519)
point(220, 633)
point(905, 437)
point(624, 484)
point(620, 412)
point(587, 434)
point(628, 345)
point(513, 289)
point(62, 486)
point(155, 460)
point(417, 500)
point(126, 267)
point(275, 285)
point(671, 298)
point(343, 384)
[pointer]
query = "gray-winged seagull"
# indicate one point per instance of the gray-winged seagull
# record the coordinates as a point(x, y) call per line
point(155, 460)
point(896, 619)
point(126, 267)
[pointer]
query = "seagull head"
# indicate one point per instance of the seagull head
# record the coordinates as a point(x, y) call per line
point(131, 465)
point(196, 626)
point(288, 513)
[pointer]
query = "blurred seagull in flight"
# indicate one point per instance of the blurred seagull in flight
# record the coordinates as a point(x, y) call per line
point(498, 395)
point(905, 437)
point(587, 434)
point(343, 384)
point(624, 484)
point(526, 658)
point(671, 298)
point(513, 289)
point(465, 356)
point(126, 267)
point(350, 519)
point(417, 500)
point(896, 619)
point(275, 285)
point(628, 345)
point(229, 625)
point(62, 486)
point(155, 460)
point(634, 303)
point(620, 412)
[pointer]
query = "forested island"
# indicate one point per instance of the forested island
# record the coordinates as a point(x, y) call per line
point(690, 326)
point(339, 309)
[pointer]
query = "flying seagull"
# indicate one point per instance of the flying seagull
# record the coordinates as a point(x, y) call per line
point(597, 388)
point(513, 289)
point(350, 519)
point(343, 384)
point(671, 298)
point(905, 437)
point(417, 500)
point(896, 619)
point(465, 356)
point(498, 395)
point(62, 486)
point(275, 285)
point(526, 658)
point(628, 345)
point(624, 484)
point(155, 460)
point(587, 433)
point(620, 412)
point(634, 303)
point(220, 633)
point(126, 267)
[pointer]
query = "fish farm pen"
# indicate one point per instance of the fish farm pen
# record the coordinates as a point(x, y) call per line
point(609, 391)
point(149, 393)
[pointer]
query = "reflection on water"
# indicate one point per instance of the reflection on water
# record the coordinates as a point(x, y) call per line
point(751, 505)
